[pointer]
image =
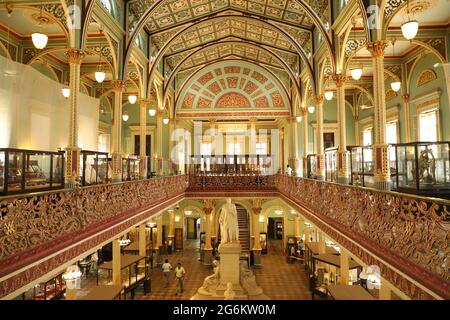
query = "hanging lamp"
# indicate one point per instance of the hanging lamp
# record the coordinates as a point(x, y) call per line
point(39, 39)
point(411, 27)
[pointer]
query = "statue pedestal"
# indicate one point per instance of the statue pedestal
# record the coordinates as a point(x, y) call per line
point(229, 264)
point(257, 258)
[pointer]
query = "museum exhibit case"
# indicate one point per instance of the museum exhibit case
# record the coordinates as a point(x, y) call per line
point(263, 241)
point(52, 289)
point(331, 155)
point(130, 168)
point(94, 167)
point(243, 164)
point(423, 167)
point(134, 271)
point(30, 170)
point(311, 166)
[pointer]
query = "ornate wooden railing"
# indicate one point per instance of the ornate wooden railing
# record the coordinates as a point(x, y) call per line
point(231, 182)
point(34, 226)
point(406, 232)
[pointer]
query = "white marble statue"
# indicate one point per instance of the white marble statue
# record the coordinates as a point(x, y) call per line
point(229, 294)
point(229, 229)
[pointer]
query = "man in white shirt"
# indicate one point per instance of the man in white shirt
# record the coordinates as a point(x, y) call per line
point(289, 170)
point(179, 277)
point(166, 268)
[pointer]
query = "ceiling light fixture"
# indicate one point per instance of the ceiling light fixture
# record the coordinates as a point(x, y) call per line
point(409, 28)
point(299, 119)
point(396, 85)
point(65, 90)
point(311, 109)
point(125, 117)
point(39, 39)
point(132, 99)
point(151, 112)
point(166, 120)
point(356, 73)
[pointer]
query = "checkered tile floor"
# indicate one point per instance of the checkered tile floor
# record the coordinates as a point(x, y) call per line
point(278, 279)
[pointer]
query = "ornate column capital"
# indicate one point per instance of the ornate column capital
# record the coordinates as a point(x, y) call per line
point(143, 103)
point(339, 79)
point(212, 121)
point(356, 118)
point(74, 55)
point(160, 112)
point(405, 98)
point(303, 111)
point(377, 48)
point(208, 206)
point(252, 120)
point(318, 100)
point(118, 85)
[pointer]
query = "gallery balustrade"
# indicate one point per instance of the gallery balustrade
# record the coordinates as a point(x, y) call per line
point(406, 231)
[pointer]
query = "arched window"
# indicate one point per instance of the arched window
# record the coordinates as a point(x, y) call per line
point(107, 5)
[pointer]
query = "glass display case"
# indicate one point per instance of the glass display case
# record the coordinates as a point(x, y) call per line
point(30, 170)
point(361, 166)
point(331, 155)
point(311, 166)
point(244, 164)
point(130, 168)
point(53, 289)
point(94, 167)
point(422, 166)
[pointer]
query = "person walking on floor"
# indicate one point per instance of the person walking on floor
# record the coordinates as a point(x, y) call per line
point(179, 277)
point(166, 268)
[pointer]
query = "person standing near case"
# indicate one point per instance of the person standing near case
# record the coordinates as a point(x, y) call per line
point(166, 268)
point(179, 277)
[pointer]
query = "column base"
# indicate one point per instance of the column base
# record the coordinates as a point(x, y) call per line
point(207, 257)
point(382, 185)
point(343, 180)
point(321, 178)
point(257, 258)
point(159, 257)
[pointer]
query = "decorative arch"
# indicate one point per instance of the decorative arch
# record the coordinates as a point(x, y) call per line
point(426, 76)
point(185, 29)
point(158, 4)
point(232, 84)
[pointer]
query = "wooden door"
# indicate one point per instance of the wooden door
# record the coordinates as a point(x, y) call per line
point(178, 238)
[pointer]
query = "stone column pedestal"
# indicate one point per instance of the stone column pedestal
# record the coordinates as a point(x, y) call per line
point(257, 263)
point(207, 256)
point(229, 266)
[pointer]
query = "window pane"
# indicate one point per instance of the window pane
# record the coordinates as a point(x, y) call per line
point(428, 126)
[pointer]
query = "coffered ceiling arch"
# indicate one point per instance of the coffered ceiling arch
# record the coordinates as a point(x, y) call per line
point(235, 86)
point(143, 10)
point(267, 51)
point(231, 57)
point(209, 24)
point(234, 58)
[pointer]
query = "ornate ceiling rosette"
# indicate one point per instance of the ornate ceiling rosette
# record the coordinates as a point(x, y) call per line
point(232, 85)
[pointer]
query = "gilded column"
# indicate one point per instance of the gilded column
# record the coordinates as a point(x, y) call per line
point(380, 147)
point(318, 101)
point(116, 257)
point(342, 156)
point(295, 159)
point(405, 98)
point(297, 231)
point(159, 240)
point(118, 87)
point(142, 242)
point(357, 133)
point(252, 140)
point(171, 224)
point(256, 211)
point(143, 138)
point(72, 167)
point(159, 139)
point(321, 239)
point(208, 207)
point(344, 268)
point(304, 114)
point(172, 123)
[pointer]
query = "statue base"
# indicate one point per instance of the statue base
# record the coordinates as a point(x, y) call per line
point(232, 271)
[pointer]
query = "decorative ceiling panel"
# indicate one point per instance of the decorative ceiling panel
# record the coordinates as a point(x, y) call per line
point(173, 12)
point(231, 85)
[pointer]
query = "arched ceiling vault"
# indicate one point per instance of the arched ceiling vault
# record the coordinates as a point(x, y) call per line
point(232, 88)
point(223, 44)
point(191, 36)
point(157, 17)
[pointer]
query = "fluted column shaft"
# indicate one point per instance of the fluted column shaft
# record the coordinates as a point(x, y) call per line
point(342, 159)
point(304, 114)
point(380, 147)
point(295, 159)
point(143, 138)
point(159, 138)
point(72, 167)
point(318, 101)
point(118, 87)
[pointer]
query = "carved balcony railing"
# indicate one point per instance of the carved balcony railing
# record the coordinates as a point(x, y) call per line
point(408, 232)
point(231, 182)
point(35, 225)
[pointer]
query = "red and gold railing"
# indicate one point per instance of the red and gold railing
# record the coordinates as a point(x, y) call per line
point(397, 232)
point(58, 226)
